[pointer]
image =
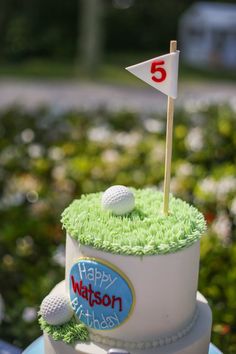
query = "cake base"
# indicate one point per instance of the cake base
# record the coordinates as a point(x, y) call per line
point(195, 342)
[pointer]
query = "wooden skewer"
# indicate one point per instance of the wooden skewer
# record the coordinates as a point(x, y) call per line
point(169, 138)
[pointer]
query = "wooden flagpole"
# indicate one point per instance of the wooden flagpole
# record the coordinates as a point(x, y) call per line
point(169, 135)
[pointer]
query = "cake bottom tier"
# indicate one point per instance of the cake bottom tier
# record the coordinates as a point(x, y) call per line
point(196, 341)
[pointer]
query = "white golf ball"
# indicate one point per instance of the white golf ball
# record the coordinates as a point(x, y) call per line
point(56, 309)
point(118, 199)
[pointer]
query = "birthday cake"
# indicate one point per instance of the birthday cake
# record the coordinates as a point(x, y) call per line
point(131, 278)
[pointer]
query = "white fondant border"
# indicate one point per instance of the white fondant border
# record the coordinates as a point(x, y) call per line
point(96, 338)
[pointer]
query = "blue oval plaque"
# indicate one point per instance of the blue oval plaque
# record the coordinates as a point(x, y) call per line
point(101, 295)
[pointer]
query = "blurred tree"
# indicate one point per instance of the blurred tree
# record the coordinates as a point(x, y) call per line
point(144, 26)
point(28, 29)
point(91, 34)
point(49, 29)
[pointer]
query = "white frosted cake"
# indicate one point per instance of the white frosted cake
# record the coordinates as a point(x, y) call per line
point(131, 278)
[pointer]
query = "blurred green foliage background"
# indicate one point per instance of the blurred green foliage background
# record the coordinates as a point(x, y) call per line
point(49, 158)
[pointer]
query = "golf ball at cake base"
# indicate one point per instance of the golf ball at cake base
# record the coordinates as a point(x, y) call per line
point(56, 309)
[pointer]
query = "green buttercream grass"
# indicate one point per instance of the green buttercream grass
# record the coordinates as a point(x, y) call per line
point(69, 332)
point(144, 231)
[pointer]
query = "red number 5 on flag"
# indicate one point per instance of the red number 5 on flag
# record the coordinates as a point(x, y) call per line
point(155, 68)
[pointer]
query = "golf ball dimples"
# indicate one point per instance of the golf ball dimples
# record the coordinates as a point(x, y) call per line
point(118, 199)
point(56, 309)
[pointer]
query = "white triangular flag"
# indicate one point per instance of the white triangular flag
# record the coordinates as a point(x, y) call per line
point(160, 72)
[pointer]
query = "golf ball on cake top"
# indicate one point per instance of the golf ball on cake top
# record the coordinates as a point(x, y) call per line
point(56, 309)
point(118, 199)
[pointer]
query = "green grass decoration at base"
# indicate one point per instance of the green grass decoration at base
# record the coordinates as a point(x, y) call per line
point(145, 231)
point(69, 332)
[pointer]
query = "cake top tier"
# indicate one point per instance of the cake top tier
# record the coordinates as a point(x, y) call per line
point(144, 231)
